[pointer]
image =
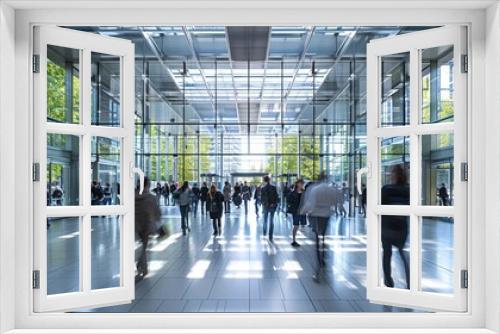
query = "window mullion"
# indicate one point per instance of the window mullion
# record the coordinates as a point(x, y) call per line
point(86, 172)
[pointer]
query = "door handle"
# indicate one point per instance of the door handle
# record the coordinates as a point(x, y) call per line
point(361, 171)
point(137, 170)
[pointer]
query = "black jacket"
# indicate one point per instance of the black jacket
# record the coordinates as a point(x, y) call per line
point(147, 213)
point(214, 204)
point(395, 228)
point(293, 202)
point(269, 196)
point(203, 193)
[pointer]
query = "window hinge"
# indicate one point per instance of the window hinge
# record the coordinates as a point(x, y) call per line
point(36, 63)
point(36, 172)
point(465, 63)
point(36, 279)
point(464, 170)
point(464, 279)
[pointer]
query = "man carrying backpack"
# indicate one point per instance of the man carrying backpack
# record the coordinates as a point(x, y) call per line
point(269, 199)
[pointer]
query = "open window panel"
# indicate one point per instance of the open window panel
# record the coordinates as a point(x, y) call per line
point(417, 155)
point(83, 125)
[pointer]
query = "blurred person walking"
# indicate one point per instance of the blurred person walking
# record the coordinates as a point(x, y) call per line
point(227, 197)
point(183, 196)
point(257, 199)
point(195, 198)
point(395, 228)
point(293, 208)
point(214, 204)
point(147, 217)
point(270, 199)
point(204, 197)
point(318, 202)
point(246, 194)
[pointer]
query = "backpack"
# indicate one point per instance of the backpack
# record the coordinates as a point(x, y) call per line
point(269, 196)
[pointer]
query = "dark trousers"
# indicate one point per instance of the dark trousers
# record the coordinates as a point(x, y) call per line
point(246, 205)
point(269, 213)
point(257, 203)
point(341, 209)
point(142, 262)
point(227, 206)
point(216, 223)
point(184, 217)
point(319, 226)
point(195, 207)
point(386, 263)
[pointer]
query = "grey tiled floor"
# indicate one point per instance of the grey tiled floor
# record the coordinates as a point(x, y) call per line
point(241, 271)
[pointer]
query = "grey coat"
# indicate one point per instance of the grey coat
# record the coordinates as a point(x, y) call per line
point(147, 214)
point(318, 200)
point(227, 192)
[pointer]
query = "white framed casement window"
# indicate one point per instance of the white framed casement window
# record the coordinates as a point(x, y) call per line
point(77, 127)
point(24, 318)
point(417, 102)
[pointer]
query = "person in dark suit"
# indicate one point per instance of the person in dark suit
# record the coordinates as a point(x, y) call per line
point(203, 197)
point(147, 216)
point(395, 228)
point(270, 199)
point(215, 200)
point(443, 195)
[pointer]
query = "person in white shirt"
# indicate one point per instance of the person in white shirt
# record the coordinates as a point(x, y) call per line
point(318, 201)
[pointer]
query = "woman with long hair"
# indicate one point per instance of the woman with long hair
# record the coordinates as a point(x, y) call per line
point(184, 195)
point(215, 202)
point(293, 207)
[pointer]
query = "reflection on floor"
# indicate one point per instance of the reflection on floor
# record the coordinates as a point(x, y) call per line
point(242, 272)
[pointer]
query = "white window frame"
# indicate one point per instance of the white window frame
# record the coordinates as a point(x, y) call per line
point(484, 51)
point(413, 44)
point(85, 44)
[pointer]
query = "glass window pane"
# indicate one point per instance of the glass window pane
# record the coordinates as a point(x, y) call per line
point(63, 178)
point(437, 169)
point(437, 254)
point(394, 171)
point(63, 255)
point(395, 248)
point(105, 103)
point(106, 265)
point(395, 90)
point(106, 168)
point(437, 84)
point(63, 85)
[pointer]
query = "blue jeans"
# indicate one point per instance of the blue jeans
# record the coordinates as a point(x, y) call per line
point(266, 212)
point(195, 206)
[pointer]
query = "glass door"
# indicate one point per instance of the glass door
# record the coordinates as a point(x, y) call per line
point(417, 170)
point(83, 163)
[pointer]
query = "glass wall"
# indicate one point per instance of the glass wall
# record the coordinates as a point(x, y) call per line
point(280, 117)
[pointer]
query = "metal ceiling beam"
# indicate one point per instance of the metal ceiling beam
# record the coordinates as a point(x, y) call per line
point(332, 100)
point(196, 58)
point(338, 56)
point(307, 43)
point(266, 62)
point(235, 91)
point(158, 54)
